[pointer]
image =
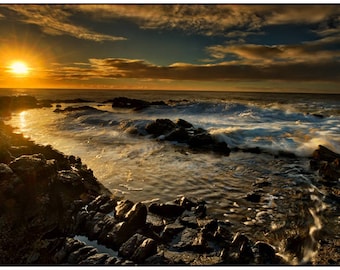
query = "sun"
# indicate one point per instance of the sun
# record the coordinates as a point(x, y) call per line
point(19, 68)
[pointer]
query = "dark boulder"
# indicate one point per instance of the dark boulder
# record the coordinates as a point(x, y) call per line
point(240, 251)
point(160, 127)
point(169, 210)
point(184, 124)
point(179, 135)
point(325, 154)
point(200, 140)
point(138, 248)
point(328, 164)
point(253, 197)
point(129, 103)
point(266, 253)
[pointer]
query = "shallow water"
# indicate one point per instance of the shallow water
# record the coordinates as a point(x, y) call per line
point(144, 169)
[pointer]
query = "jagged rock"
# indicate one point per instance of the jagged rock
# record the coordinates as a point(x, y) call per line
point(156, 222)
point(81, 254)
point(171, 230)
point(186, 239)
point(160, 127)
point(129, 103)
point(99, 258)
point(222, 148)
point(157, 259)
point(75, 109)
point(138, 248)
point(200, 140)
point(32, 167)
point(122, 208)
point(166, 210)
point(200, 244)
point(253, 197)
point(178, 135)
point(146, 249)
point(323, 153)
point(136, 217)
point(201, 210)
point(331, 171)
point(239, 252)
point(69, 246)
point(184, 124)
point(5, 172)
point(265, 253)
point(128, 248)
point(328, 164)
point(189, 219)
point(186, 203)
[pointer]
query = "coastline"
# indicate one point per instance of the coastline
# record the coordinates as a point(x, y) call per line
point(48, 199)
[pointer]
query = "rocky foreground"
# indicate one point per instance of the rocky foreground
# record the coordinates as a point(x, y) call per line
point(48, 200)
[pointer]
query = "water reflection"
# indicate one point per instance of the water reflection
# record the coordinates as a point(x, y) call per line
point(22, 120)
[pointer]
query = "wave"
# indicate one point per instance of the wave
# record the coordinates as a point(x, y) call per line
point(269, 128)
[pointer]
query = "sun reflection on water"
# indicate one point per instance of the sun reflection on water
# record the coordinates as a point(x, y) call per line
point(23, 122)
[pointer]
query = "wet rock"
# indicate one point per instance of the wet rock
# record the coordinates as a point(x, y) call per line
point(179, 135)
point(95, 204)
point(266, 253)
point(146, 249)
point(200, 243)
point(69, 246)
point(169, 210)
point(81, 254)
point(157, 259)
point(222, 148)
point(239, 252)
point(202, 139)
point(5, 172)
point(186, 239)
point(201, 210)
point(32, 167)
point(122, 208)
point(155, 222)
point(331, 171)
point(76, 109)
point(160, 127)
point(183, 124)
point(129, 103)
point(128, 248)
point(328, 164)
point(99, 258)
point(186, 203)
point(171, 230)
point(253, 197)
point(189, 219)
point(136, 217)
point(323, 153)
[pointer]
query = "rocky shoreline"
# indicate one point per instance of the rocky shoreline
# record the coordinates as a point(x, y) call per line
point(50, 202)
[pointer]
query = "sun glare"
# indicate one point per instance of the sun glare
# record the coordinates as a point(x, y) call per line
point(19, 68)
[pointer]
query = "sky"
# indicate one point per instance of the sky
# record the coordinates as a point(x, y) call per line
point(229, 47)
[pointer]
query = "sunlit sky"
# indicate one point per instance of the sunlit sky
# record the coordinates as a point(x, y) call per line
point(240, 47)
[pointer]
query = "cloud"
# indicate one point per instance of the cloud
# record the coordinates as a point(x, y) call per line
point(113, 68)
point(207, 19)
point(312, 51)
point(55, 20)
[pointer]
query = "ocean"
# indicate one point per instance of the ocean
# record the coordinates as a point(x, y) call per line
point(141, 168)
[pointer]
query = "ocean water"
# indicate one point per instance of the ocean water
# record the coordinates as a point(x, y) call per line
point(141, 168)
